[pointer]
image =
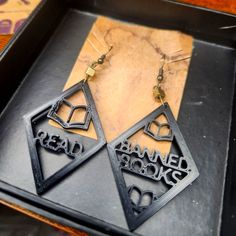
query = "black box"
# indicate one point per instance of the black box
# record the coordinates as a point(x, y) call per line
point(38, 61)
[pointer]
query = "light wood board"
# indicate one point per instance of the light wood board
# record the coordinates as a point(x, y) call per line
point(122, 86)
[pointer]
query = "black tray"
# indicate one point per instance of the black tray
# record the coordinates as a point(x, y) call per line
point(41, 56)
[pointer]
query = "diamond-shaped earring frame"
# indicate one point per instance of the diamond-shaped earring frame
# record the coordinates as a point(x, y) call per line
point(136, 214)
point(42, 185)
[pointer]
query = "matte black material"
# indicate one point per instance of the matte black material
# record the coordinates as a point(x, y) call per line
point(88, 198)
point(35, 138)
point(157, 135)
point(229, 208)
point(25, 48)
point(168, 14)
point(67, 124)
point(126, 156)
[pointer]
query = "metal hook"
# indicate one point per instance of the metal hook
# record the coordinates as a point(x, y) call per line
point(90, 72)
point(158, 92)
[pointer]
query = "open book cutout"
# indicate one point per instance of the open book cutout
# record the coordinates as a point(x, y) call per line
point(148, 179)
point(64, 146)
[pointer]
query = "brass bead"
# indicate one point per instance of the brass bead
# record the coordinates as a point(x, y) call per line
point(160, 74)
point(158, 93)
point(101, 59)
point(90, 71)
point(159, 78)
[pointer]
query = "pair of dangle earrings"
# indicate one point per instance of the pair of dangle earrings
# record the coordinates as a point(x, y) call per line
point(166, 174)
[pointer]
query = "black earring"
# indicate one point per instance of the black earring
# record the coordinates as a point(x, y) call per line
point(45, 140)
point(146, 179)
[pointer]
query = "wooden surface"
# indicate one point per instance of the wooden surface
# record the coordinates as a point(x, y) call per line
point(13, 13)
point(122, 86)
point(10, 22)
point(67, 229)
point(18, 5)
point(4, 39)
point(228, 6)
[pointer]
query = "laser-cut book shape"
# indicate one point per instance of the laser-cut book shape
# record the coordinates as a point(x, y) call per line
point(45, 140)
point(146, 179)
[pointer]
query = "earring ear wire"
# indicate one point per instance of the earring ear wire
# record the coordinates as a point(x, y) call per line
point(158, 92)
point(91, 70)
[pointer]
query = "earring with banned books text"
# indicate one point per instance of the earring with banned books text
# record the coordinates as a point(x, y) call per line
point(158, 92)
point(67, 136)
point(146, 178)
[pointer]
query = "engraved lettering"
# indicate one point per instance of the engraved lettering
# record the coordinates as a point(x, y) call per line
point(52, 142)
point(64, 145)
point(170, 168)
point(175, 174)
point(40, 137)
point(173, 160)
point(56, 143)
point(163, 174)
point(76, 148)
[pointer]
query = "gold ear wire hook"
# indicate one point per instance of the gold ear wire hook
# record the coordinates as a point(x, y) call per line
point(98, 36)
point(90, 72)
point(158, 92)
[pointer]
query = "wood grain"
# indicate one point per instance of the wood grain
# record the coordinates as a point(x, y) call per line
point(228, 6)
point(67, 229)
point(4, 39)
point(122, 87)
point(19, 5)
